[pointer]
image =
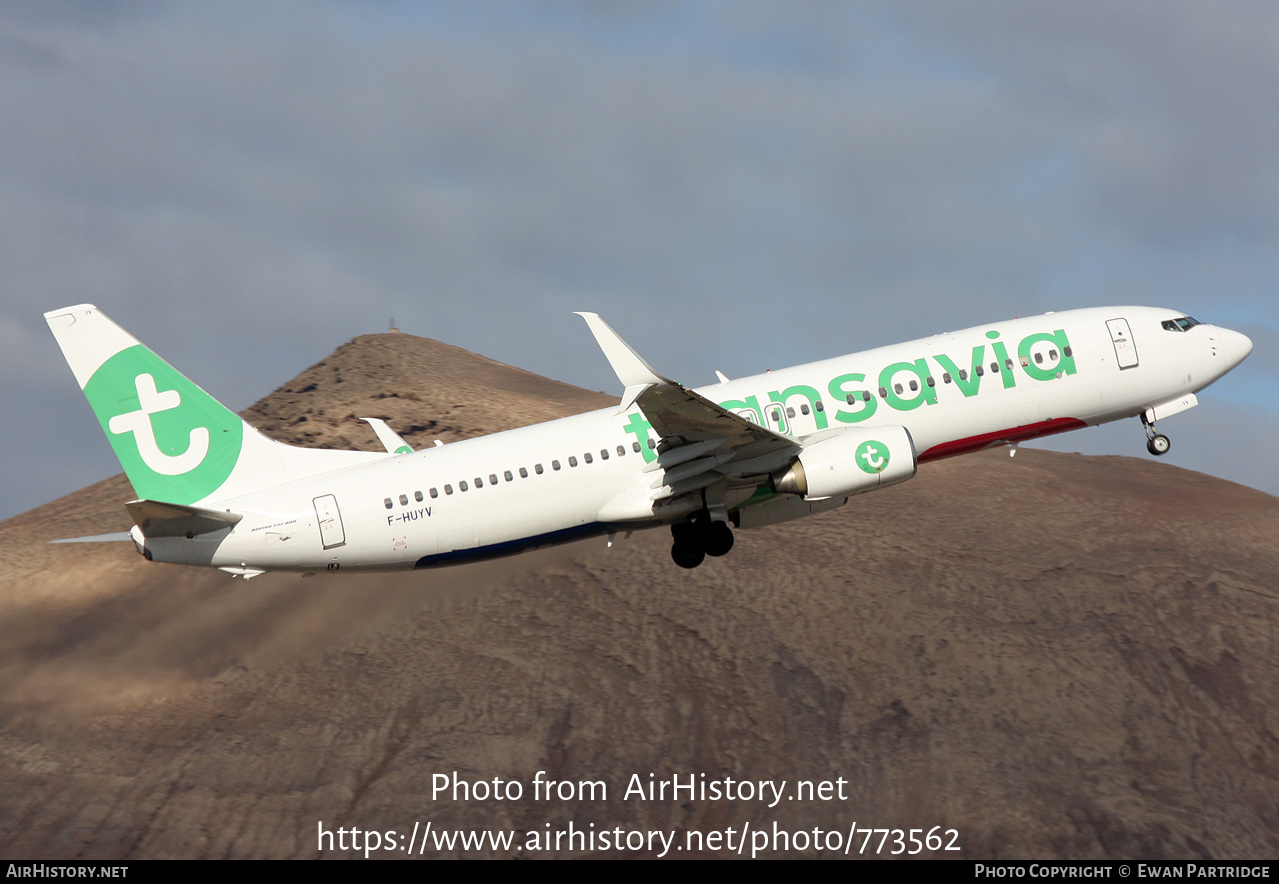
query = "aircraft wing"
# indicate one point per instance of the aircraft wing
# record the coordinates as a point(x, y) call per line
point(680, 414)
point(695, 431)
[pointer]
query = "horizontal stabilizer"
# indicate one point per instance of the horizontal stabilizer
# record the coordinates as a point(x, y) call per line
point(97, 538)
point(158, 519)
point(247, 573)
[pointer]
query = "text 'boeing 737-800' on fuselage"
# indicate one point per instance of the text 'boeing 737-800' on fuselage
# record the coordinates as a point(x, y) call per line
point(742, 453)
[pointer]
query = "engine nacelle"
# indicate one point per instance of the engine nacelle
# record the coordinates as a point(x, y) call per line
point(840, 463)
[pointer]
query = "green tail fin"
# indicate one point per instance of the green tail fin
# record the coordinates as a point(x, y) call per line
point(175, 441)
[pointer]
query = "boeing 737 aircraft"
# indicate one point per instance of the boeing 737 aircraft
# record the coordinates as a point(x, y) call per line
point(214, 491)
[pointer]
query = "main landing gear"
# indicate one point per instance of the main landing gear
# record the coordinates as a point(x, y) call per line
point(696, 540)
point(1156, 443)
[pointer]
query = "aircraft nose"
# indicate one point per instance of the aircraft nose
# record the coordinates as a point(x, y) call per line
point(1235, 346)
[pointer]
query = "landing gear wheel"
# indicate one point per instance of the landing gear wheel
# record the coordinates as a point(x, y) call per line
point(719, 539)
point(687, 556)
point(1158, 444)
point(687, 534)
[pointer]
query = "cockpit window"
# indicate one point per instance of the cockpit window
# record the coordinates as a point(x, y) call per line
point(1181, 323)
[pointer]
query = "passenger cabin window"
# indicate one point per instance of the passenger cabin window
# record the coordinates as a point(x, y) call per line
point(537, 468)
point(883, 392)
point(1039, 358)
point(492, 478)
point(963, 374)
point(479, 483)
point(1066, 352)
point(417, 495)
point(434, 493)
point(981, 372)
point(929, 380)
point(790, 412)
point(448, 489)
point(388, 503)
point(555, 464)
point(897, 388)
point(635, 447)
point(820, 406)
point(621, 451)
point(572, 461)
point(523, 473)
point(462, 486)
point(849, 398)
point(587, 456)
point(803, 409)
point(914, 385)
point(994, 367)
point(945, 377)
point(404, 500)
point(508, 477)
point(603, 454)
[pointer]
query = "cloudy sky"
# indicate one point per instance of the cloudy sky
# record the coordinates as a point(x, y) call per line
point(733, 185)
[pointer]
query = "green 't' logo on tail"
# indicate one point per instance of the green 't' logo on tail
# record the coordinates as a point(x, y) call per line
point(175, 441)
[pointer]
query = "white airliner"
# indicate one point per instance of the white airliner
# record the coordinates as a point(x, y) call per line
point(741, 453)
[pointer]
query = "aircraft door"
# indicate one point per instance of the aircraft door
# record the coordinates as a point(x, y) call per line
point(775, 418)
point(332, 533)
point(1121, 337)
point(803, 418)
point(796, 420)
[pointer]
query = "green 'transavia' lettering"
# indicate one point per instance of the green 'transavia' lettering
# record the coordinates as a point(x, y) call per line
point(908, 399)
point(1055, 361)
point(639, 427)
point(782, 396)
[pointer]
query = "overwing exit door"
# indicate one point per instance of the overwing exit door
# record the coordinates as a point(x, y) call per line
point(1121, 337)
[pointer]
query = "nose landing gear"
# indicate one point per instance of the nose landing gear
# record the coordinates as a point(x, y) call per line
point(1156, 443)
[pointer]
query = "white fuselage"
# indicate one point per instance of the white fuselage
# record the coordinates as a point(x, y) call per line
point(553, 482)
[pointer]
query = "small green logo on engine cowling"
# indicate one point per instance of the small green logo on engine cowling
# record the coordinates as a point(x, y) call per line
point(175, 441)
point(872, 456)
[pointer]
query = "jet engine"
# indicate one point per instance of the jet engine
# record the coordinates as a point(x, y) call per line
point(840, 463)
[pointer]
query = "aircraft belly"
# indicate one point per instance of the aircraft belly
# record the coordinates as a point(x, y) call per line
point(535, 518)
point(514, 545)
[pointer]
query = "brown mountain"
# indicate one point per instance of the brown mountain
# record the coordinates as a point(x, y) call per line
point(1054, 655)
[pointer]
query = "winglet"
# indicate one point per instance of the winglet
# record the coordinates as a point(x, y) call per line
point(390, 439)
point(630, 367)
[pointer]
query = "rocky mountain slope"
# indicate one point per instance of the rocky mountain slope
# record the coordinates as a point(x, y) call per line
point(1054, 655)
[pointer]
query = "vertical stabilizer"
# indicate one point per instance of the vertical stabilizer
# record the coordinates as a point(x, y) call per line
point(176, 442)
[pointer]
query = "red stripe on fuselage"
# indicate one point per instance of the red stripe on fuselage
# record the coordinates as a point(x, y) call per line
point(1002, 437)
